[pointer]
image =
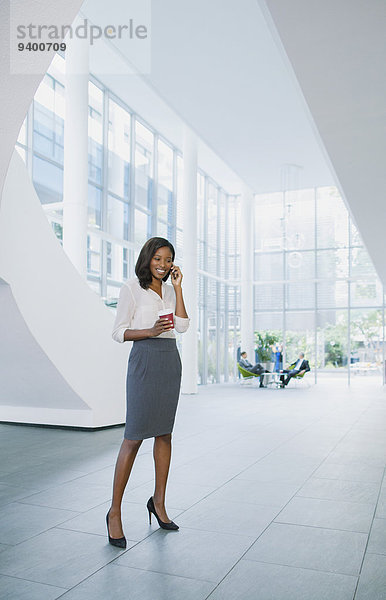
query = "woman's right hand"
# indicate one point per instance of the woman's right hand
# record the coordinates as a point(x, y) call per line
point(160, 326)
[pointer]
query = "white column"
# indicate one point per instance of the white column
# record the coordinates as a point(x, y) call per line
point(246, 257)
point(116, 219)
point(76, 154)
point(115, 214)
point(189, 340)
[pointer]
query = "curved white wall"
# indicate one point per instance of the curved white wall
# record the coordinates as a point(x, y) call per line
point(29, 380)
point(67, 319)
point(60, 326)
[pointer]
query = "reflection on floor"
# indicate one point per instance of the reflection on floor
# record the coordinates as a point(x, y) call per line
point(279, 494)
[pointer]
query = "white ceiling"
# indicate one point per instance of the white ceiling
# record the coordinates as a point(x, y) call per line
point(217, 66)
point(338, 53)
point(267, 83)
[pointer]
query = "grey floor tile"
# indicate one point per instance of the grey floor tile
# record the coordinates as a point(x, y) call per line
point(40, 477)
point(226, 456)
point(277, 472)
point(178, 495)
point(20, 461)
point(116, 581)
point(377, 540)
point(372, 581)
point(71, 496)
point(310, 547)
point(19, 589)
point(333, 514)
point(231, 472)
point(358, 438)
point(215, 514)
point(135, 520)
point(87, 464)
point(217, 471)
point(272, 494)
point(183, 454)
point(19, 521)
point(306, 446)
point(337, 489)
point(253, 580)
point(105, 477)
point(365, 452)
point(203, 555)
point(203, 442)
point(381, 508)
point(58, 557)
point(281, 457)
point(10, 493)
point(352, 457)
point(254, 446)
point(358, 472)
point(3, 473)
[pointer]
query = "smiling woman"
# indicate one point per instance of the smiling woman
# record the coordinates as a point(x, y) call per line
point(153, 372)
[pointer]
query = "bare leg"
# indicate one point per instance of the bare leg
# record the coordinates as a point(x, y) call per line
point(125, 461)
point(162, 452)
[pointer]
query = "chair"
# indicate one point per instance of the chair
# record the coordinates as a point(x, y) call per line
point(246, 376)
point(299, 376)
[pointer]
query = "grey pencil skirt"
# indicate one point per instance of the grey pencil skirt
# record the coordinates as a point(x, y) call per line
point(152, 388)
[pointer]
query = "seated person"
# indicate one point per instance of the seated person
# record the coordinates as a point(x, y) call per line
point(258, 369)
point(300, 367)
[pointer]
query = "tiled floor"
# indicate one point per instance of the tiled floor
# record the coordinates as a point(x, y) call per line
point(279, 494)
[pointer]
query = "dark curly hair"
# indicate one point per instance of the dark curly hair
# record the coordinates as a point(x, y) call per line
point(142, 267)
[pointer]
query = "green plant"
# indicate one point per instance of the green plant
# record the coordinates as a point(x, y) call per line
point(334, 353)
point(264, 342)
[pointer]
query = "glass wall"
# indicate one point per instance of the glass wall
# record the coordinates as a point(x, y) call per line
point(48, 135)
point(165, 189)
point(135, 181)
point(218, 281)
point(315, 287)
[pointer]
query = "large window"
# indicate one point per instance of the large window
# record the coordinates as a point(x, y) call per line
point(218, 281)
point(179, 206)
point(95, 133)
point(135, 191)
point(165, 199)
point(315, 288)
point(47, 117)
point(144, 182)
point(119, 150)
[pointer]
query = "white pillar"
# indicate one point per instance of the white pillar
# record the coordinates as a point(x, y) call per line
point(116, 221)
point(76, 154)
point(189, 341)
point(246, 258)
point(115, 214)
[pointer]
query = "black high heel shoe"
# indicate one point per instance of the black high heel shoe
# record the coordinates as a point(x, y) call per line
point(162, 524)
point(118, 542)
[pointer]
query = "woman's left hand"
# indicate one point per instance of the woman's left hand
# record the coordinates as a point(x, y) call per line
point(176, 276)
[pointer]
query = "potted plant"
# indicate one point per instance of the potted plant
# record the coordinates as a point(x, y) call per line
point(264, 342)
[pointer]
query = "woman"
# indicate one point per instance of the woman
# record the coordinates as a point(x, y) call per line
point(153, 373)
point(278, 358)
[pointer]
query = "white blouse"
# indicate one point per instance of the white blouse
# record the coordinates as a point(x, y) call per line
point(138, 309)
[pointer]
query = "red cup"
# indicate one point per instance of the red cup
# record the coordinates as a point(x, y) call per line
point(167, 314)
